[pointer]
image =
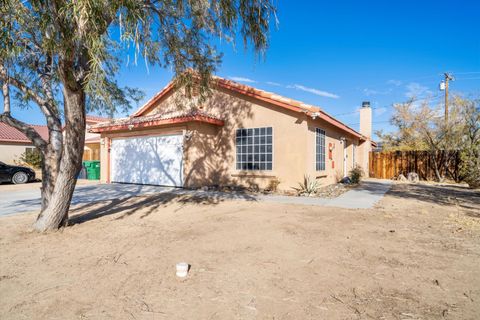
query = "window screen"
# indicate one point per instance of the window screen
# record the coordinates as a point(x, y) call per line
point(320, 149)
point(254, 149)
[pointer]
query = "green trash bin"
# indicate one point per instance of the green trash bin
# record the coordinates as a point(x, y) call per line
point(93, 169)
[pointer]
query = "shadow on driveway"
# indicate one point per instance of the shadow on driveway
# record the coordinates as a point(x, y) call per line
point(150, 203)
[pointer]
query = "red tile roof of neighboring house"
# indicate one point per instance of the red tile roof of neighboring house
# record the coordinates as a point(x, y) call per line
point(90, 118)
point(261, 95)
point(155, 120)
point(10, 134)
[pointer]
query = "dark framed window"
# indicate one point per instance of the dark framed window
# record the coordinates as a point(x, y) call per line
point(254, 148)
point(354, 150)
point(319, 149)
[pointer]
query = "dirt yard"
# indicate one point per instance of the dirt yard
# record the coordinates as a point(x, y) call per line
point(416, 256)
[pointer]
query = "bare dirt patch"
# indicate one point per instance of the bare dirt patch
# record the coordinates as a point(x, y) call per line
point(416, 256)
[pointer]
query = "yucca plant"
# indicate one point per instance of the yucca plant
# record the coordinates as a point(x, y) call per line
point(308, 187)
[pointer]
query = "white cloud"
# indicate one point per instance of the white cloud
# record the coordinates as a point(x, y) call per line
point(372, 92)
point(274, 84)
point(415, 90)
point(396, 83)
point(314, 91)
point(242, 79)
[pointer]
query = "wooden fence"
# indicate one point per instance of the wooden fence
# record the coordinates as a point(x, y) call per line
point(388, 165)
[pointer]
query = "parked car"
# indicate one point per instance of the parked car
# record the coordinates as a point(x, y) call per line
point(15, 174)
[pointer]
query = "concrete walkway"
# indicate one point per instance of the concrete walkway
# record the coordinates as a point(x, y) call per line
point(365, 196)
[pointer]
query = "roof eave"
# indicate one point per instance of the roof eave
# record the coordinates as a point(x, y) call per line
point(156, 123)
point(16, 141)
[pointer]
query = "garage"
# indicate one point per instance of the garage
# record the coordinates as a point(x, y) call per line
point(155, 160)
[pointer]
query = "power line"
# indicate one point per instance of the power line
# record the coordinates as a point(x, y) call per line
point(475, 78)
point(471, 72)
point(373, 122)
point(432, 98)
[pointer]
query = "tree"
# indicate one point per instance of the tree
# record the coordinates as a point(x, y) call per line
point(470, 152)
point(31, 157)
point(422, 127)
point(63, 55)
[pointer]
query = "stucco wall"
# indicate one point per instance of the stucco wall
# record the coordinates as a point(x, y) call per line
point(209, 153)
point(91, 151)
point(9, 153)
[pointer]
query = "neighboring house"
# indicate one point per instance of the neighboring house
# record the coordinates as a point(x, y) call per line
point(13, 143)
point(91, 150)
point(239, 136)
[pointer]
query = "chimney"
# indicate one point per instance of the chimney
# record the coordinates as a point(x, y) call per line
point(366, 119)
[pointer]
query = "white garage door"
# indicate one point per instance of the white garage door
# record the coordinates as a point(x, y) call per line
point(156, 160)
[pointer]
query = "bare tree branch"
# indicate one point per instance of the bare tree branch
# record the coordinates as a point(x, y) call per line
point(23, 127)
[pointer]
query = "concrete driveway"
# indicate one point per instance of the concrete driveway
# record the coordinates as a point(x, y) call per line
point(27, 198)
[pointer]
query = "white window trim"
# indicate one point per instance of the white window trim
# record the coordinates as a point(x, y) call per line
point(273, 151)
point(324, 151)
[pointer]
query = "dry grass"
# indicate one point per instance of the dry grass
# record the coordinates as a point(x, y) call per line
point(416, 256)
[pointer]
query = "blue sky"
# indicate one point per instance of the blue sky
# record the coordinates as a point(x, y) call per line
point(336, 54)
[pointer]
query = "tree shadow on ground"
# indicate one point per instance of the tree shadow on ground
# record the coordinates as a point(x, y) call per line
point(446, 195)
point(147, 205)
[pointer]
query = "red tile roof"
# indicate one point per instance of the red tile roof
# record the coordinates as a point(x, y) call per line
point(155, 120)
point(262, 95)
point(90, 118)
point(10, 134)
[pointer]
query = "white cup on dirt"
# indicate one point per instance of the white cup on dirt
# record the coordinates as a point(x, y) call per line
point(182, 269)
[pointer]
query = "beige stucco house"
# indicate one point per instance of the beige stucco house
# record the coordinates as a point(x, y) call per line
point(91, 150)
point(13, 143)
point(239, 136)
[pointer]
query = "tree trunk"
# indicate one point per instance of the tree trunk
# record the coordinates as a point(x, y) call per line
point(50, 166)
point(436, 167)
point(55, 214)
point(51, 160)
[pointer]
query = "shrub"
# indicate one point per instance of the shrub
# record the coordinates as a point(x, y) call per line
point(273, 185)
point(356, 174)
point(308, 187)
point(470, 150)
point(470, 167)
point(31, 157)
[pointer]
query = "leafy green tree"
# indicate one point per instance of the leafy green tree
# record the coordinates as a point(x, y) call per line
point(32, 158)
point(63, 56)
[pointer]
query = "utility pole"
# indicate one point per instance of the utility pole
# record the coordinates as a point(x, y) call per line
point(444, 86)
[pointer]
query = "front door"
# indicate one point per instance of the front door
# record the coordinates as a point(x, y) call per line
point(345, 158)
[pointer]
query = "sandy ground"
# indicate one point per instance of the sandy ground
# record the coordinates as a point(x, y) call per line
point(416, 256)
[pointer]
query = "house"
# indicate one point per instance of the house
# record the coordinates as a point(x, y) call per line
point(239, 136)
point(13, 143)
point(91, 150)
